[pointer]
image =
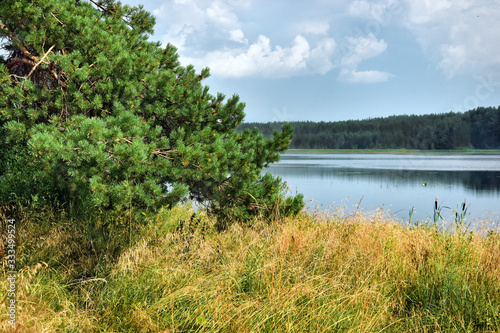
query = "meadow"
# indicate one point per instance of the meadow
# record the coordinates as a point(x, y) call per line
point(321, 271)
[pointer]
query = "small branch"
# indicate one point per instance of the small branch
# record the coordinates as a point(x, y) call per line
point(16, 61)
point(17, 76)
point(56, 77)
point(163, 153)
point(108, 11)
point(100, 6)
point(144, 84)
point(41, 60)
point(62, 24)
point(111, 155)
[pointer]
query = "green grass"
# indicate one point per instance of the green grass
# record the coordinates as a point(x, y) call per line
point(319, 272)
point(398, 151)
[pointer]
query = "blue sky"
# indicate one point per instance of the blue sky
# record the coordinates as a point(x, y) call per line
point(330, 60)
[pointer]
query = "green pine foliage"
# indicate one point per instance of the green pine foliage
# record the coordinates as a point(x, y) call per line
point(97, 118)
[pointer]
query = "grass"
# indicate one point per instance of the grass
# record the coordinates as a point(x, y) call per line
point(317, 272)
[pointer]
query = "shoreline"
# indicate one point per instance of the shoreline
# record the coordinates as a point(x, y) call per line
point(397, 151)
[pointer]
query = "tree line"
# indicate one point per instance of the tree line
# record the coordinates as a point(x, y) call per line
point(475, 129)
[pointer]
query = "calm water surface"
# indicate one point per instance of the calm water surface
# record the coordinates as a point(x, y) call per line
point(397, 182)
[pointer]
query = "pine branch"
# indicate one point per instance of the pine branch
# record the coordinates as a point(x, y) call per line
point(62, 24)
point(55, 76)
point(16, 61)
point(163, 153)
point(29, 59)
point(18, 43)
point(99, 5)
point(41, 60)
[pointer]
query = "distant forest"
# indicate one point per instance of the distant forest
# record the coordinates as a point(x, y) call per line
point(474, 129)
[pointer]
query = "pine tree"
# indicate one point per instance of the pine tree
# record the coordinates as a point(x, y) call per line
point(95, 116)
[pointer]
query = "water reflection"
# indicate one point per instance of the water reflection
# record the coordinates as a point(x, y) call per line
point(397, 161)
point(396, 182)
point(478, 182)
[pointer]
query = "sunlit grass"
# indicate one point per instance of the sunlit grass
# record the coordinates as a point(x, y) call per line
point(318, 272)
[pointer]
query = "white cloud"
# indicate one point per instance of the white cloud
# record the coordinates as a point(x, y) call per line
point(220, 14)
point(362, 48)
point(314, 27)
point(238, 36)
point(425, 11)
point(453, 58)
point(184, 18)
point(461, 36)
point(357, 50)
point(189, 19)
point(360, 8)
point(458, 36)
point(354, 76)
point(320, 56)
point(382, 12)
point(261, 59)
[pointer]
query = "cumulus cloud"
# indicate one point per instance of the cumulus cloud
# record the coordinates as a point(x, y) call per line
point(460, 35)
point(212, 34)
point(453, 59)
point(359, 49)
point(238, 36)
point(426, 11)
point(362, 48)
point(320, 57)
point(221, 14)
point(382, 12)
point(194, 19)
point(184, 18)
point(261, 59)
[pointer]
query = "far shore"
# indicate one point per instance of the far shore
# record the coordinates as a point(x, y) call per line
point(398, 151)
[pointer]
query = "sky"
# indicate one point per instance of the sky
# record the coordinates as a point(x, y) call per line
point(333, 60)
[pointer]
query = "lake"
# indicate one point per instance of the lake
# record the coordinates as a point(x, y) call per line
point(397, 182)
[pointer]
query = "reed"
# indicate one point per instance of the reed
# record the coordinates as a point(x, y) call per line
point(315, 272)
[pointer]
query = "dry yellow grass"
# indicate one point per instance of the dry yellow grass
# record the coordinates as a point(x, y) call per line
point(362, 272)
